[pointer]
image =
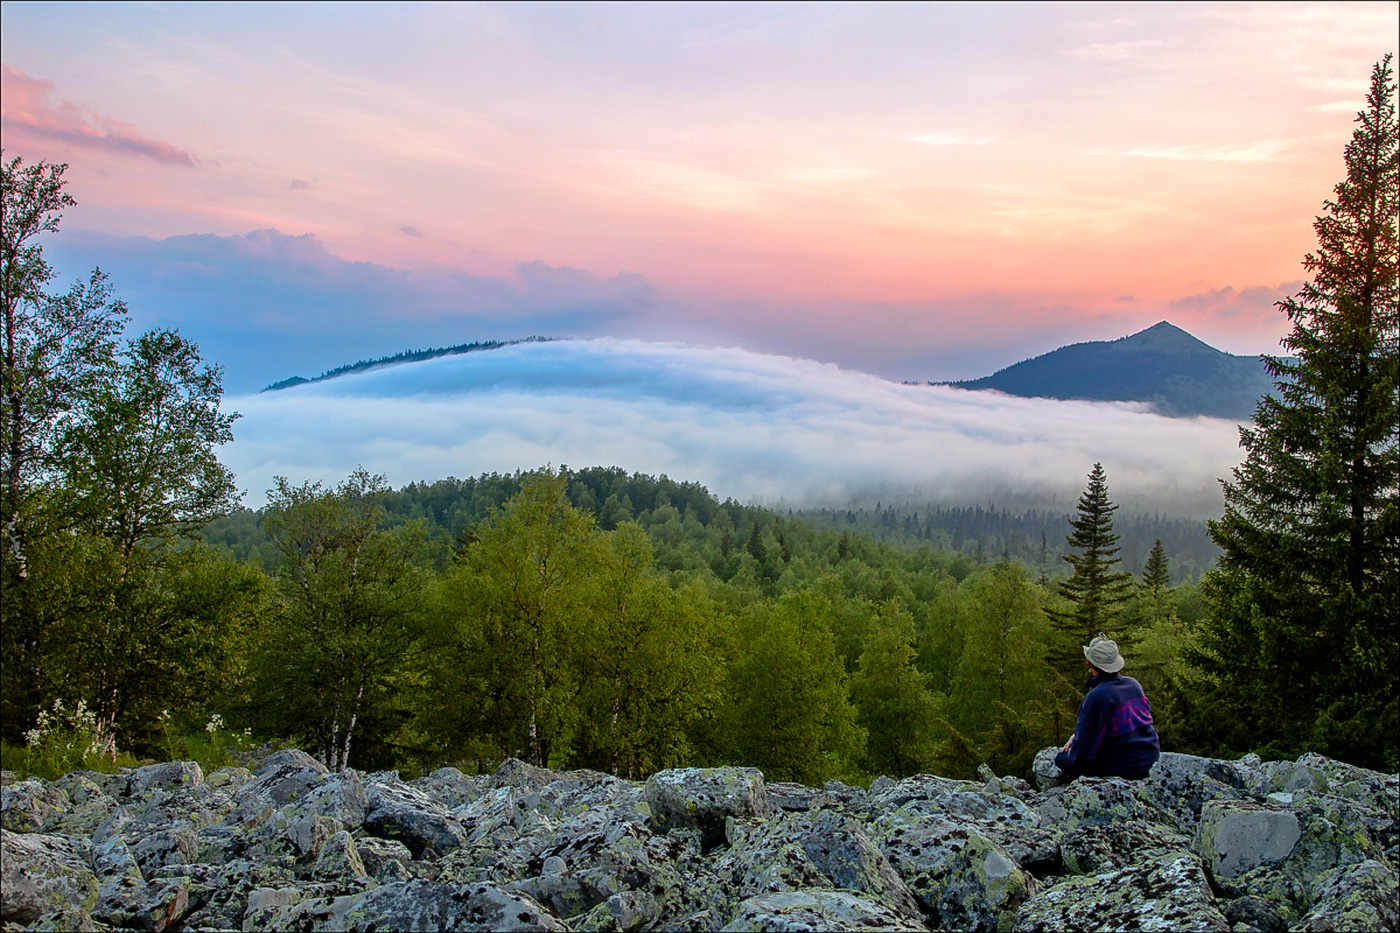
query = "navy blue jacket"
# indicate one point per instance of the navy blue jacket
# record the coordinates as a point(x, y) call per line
point(1114, 734)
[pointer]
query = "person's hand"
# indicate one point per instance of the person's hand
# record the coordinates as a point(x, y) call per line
point(1068, 743)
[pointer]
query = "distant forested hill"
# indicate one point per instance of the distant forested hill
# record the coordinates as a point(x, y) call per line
point(691, 528)
point(1164, 365)
point(407, 356)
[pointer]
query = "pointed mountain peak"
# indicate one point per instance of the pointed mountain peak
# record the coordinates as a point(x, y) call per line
point(1163, 337)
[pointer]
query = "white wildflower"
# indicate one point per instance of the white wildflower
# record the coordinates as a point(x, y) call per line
point(34, 737)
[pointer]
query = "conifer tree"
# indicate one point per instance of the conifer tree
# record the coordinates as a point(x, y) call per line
point(1155, 575)
point(1303, 641)
point(1095, 590)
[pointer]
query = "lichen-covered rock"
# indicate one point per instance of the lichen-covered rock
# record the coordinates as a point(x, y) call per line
point(407, 814)
point(816, 911)
point(787, 796)
point(31, 806)
point(962, 878)
point(624, 912)
point(1168, 894)
point(155, 907)
point(1092, 850)
point(451, 787)
point(171, 776)
point(1044, 769)
point(603, 861)
point(339, 860)
point(424, 905)
point(1094, 801)
point(1358, 897)
point(1179, 785)
point(42, 875)
point(824, 848)
point(924, 797)
point(288, 846)
point(1304, 838)
point(384, 859)
point(702, 798)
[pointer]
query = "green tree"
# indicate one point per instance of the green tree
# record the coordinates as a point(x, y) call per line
point(142, 462)
point(55, 348)
point(892, 698)
point(789, 712)
point(522, 590)
point(1155, 573)
point(647, 672)
point(1002, 666)
point(1302, 645)
point(348, 610)
point(1095, 590)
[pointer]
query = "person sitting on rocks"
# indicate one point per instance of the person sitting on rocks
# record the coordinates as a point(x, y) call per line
point(1114, 734)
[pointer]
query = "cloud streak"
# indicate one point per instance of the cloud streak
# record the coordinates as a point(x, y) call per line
point(26, 112)
point(752, 426)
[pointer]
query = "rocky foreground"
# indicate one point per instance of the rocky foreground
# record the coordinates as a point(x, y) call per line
point(1202, 844)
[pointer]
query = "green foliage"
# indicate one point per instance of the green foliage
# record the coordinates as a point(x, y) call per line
point(894, 704)
point(1302, 646)
point(142, 463)
point(1095, 591)
point(54, 351)
point(214, 746)
point(65, 740)
point(349, 602)
point(789, 712)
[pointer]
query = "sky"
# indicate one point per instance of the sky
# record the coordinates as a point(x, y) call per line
point(743, 224)
point(928, 191)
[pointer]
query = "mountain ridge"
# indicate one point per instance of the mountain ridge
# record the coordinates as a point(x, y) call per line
point(1179, 374)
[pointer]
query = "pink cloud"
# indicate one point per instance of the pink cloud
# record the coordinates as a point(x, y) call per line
point(1255, 303)
point(24, 109)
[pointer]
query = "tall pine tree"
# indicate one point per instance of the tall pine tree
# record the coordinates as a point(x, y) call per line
point(1302, 647)
point(1095, 590)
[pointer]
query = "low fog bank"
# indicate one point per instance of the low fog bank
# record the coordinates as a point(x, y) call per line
point(767, 429)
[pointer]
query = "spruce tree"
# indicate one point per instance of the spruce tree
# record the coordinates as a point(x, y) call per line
point(1302, 646)
point(1095, 590)
point(1155, 575)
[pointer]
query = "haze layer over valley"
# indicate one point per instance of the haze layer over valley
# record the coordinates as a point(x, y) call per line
point(766, 428)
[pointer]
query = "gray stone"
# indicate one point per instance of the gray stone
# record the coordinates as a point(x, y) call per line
point(423, 905)
point(962, 879)
point(339, 860)
point(1092, 850)
point(407, 814)
point(795, 911)
point(702, 798)
point(31, 806)
point(42, 876)
point(1168, 894)
point(1363, 896)
point(1095, 801)
point(171, 776)
point(1044, 769)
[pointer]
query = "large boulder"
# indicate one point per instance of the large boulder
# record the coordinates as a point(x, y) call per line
point(824, 848)
point(1363, 896)
point(407, 814)
point(817, 911)
point(1167, 893)
point(962, 878)
point(703, 798)
point(1311, 834)
point(42, 876)
point(1095, 801)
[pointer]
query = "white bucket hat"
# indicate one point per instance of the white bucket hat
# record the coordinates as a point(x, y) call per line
point(1103, 654)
